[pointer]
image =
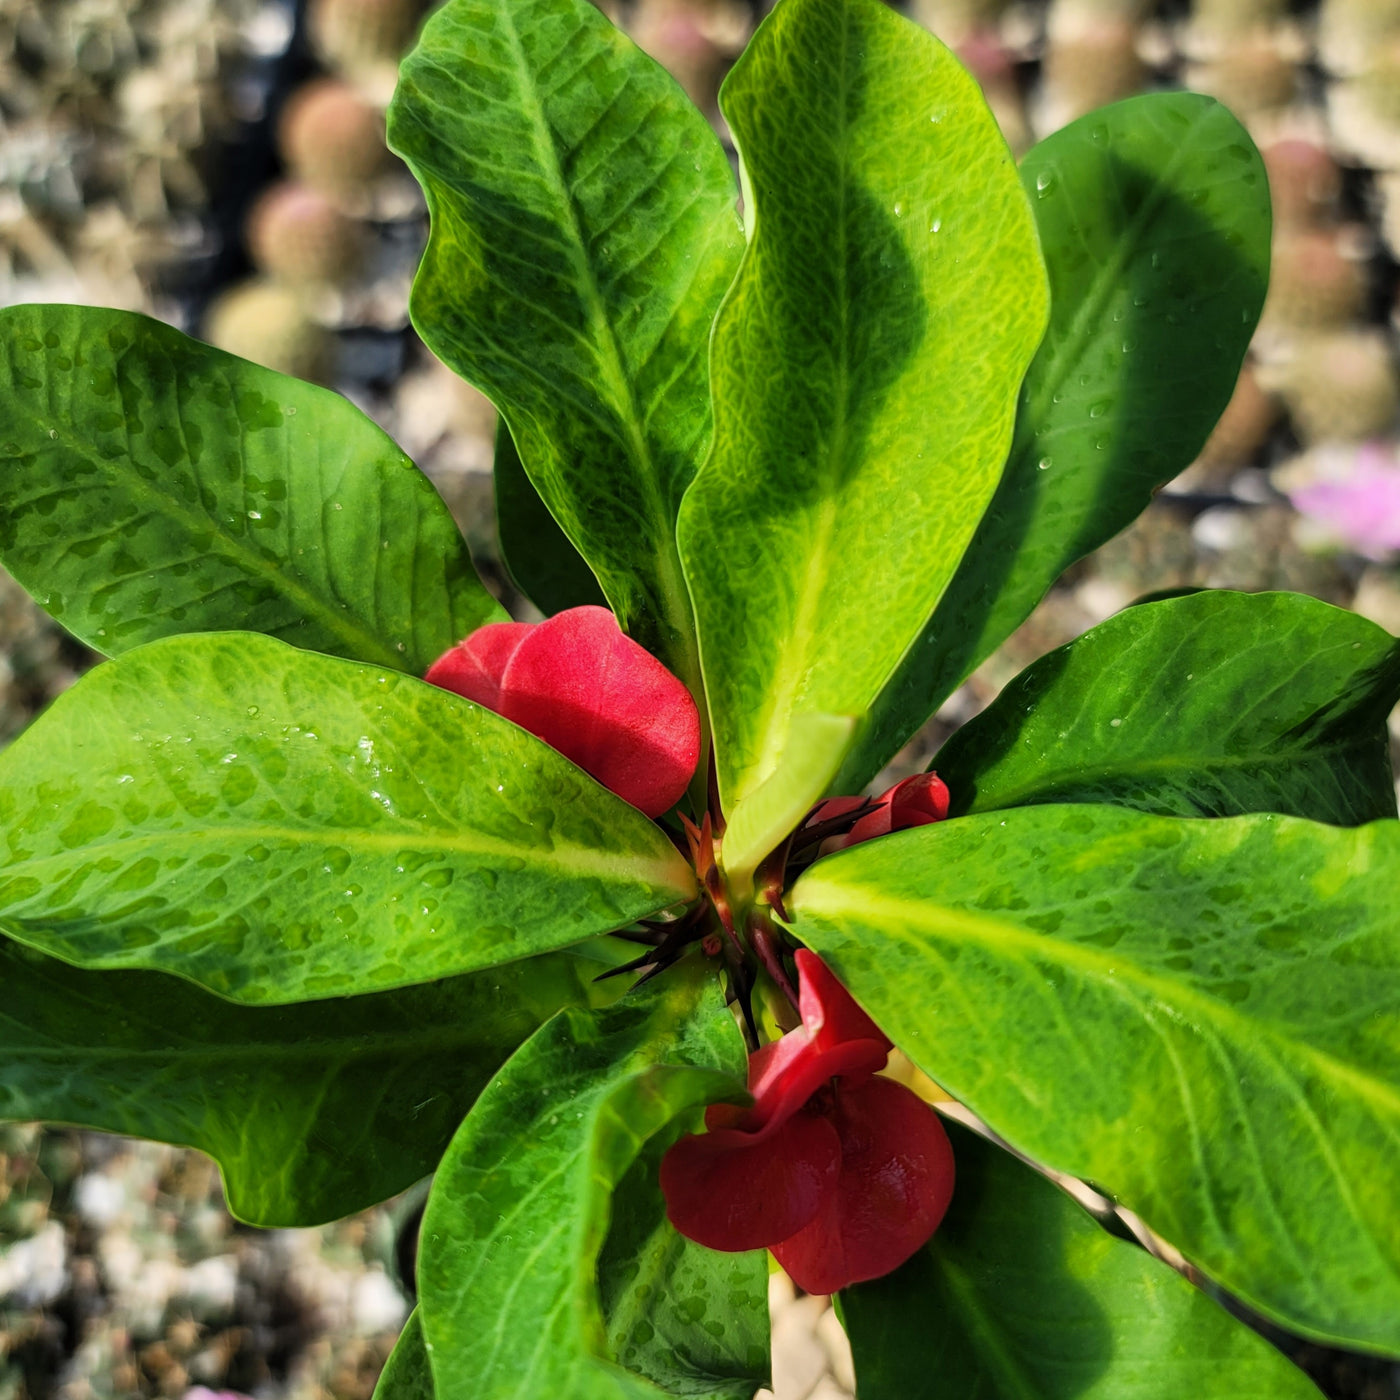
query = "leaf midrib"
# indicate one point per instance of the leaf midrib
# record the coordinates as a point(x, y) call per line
point(591, 863)
point(674, 595)
point(366, 645)
point(792, 664)
point(981, 1323)
point(904, 920)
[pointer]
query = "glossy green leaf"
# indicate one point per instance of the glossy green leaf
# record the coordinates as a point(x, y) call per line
point(281, 826)
point(692, 1320)
point(312, 1111)
point(1154, 218)
point(543, 563)
point(865, 368)
point(583, 232)
point(1212, 705)
point(406, 1374)
point(801, 778)
point(152, 485)
point(520, 1209)
point(1021, 1296)
point(1201, 1017)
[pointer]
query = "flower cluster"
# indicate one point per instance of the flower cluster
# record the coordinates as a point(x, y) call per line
point(841, 1173)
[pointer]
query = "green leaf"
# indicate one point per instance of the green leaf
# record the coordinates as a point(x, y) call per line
point(279, 826)
point(583, 233)
point(1154, 218)
point(802, 776)
point(153, 485)
point(1200, 1016)
point(312, 1111)
point(692, 1320)
point(1021, 1296)
point(543, 563)
point(519, 1211)
point(1212, 705)
point(865, 368)
point(406, 1375)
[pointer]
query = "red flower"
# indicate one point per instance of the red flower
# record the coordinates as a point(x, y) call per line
point(587, 690)
point(841, 1174)
point(916, 801)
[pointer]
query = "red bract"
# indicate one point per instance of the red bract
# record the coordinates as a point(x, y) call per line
point(587, 690)
point(841, 1174)
point(916, 801)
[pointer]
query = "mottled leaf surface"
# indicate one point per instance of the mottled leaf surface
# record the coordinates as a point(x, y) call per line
point(406, 1374)
point(1202, 1017)
point(583, 232)
point(312, 1111)
point(690, 1319)
point(280, 826)
point(865, 368)
point(546, 567)
point(1154, 217)
point(1022, 1296)
point(152, 485)
point(1212, 705)
point(520, 1210)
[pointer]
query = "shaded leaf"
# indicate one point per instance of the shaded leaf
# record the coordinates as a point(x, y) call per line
point(1021, 1296)
point(545, 566)
point(583, 233)
point(153, 485)
point(690, 1319)
point(312, 1111)
point(1202, 1017)
point(279, 826)
point(1154, 217)
point(865, 368)
point(1211, 705)
point(520, 1210)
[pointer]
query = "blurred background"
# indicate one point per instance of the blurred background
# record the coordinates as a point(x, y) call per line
point(221, 164)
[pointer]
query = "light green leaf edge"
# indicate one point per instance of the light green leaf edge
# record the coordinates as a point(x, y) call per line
point(1201, 1017)
point(151, 485)
point(1211, 705)
point(520, 1207)
point(890, 298)
point(280, 826)
point(584, 229)
point(1108, 444)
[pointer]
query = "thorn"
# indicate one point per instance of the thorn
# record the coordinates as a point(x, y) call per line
point(626, 967)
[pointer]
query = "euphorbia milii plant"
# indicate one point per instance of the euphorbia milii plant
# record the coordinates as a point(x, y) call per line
point(613, 921)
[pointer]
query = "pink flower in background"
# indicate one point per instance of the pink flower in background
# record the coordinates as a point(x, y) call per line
point(1355, 494)
point(200, 1393)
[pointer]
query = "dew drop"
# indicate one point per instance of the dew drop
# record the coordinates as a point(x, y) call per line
point(1044, 464)
point(1044, 180)
point(935, 226)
